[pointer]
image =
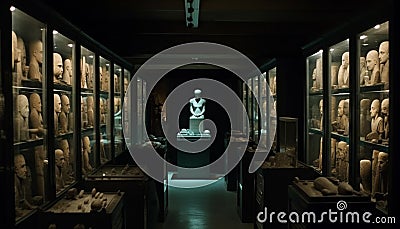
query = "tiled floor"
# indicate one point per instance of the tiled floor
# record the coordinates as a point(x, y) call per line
point(206, 207)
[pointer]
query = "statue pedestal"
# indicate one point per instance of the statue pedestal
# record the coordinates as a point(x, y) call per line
point(196, 126)
point(193, 160)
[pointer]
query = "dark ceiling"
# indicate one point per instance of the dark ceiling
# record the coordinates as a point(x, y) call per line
point(260, 29)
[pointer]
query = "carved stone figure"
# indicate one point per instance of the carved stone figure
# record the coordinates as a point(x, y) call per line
point(343, 74)
point(59, 161)
point(384, 63)
point(57, 68)
point(21, 126)
point(372, 66)
point(64, 119)
point(67, 73)
point(36, 60)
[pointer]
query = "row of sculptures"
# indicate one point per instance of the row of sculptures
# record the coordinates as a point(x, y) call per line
point(27, 195)
point(374, 69)
point(373, 171)
point(63, 67)
point(374, 118)
point(28, 120)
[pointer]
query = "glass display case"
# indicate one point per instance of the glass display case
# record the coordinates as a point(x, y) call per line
point(314, 109)
point(64, 97)
point(374, 88)
point(29, 88)
point(54, 67)
point(89, 109)
point(352, 126)
point(339, 113)
point(105, 124)
point(119, 138)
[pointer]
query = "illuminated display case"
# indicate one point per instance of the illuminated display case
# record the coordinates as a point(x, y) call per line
point(53, 92)
point(348, 111)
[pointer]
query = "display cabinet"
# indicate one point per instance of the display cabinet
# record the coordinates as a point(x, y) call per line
point(52, 89)
point(347, 101)
point(89, 109)
point(64, 98)
point(374, 122)
point(31, 115)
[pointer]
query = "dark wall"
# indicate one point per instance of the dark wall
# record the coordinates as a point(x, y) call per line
point(291, 85)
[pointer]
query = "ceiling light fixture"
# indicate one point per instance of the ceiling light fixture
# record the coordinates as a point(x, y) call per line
point(192, 8)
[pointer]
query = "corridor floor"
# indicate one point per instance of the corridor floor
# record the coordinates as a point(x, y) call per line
point(206, 207)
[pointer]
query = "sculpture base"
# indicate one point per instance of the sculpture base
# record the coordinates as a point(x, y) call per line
point(196, 125)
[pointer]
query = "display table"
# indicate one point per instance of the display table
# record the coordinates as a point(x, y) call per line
point(304, 197)
point(193, 160)
point(129, 179)
point(68, 213)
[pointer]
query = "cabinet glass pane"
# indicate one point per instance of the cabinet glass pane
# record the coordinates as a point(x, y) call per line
point(272, 110)
point(119, 139)
point(255, 109)
point(374, 112)
point(339, 113)
point(263, 101)
point(144, 93)
point(139, 114)
point(64, 97)
point(88, 111)
point(244, 101)
point(126, 106)
point(314, 110)
point(29, 89)
point(105, 128)
point(249, 107)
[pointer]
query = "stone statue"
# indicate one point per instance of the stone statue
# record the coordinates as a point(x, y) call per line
point(36, 60)
point(365, 117)
point(68, 168)
point(90, 111)
point(363, 70)
point(343, 74)
point(14, 49)
point(197, 109)
point(57, 111)
point(59, 161)
point(21, 188)
point(372, 66)
point(83, 72)
point(365, 175)
point(67, 73)
point(197, 105)
point(342, 161)
point(83, 113)
point(64, 119)
point(57, 68)
point(21, 126)
point(385, 117)
point(376, 122)
point(21, 68)
point(384, 63)
point(383, 163)
point(86, 150)
point(341, 125)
